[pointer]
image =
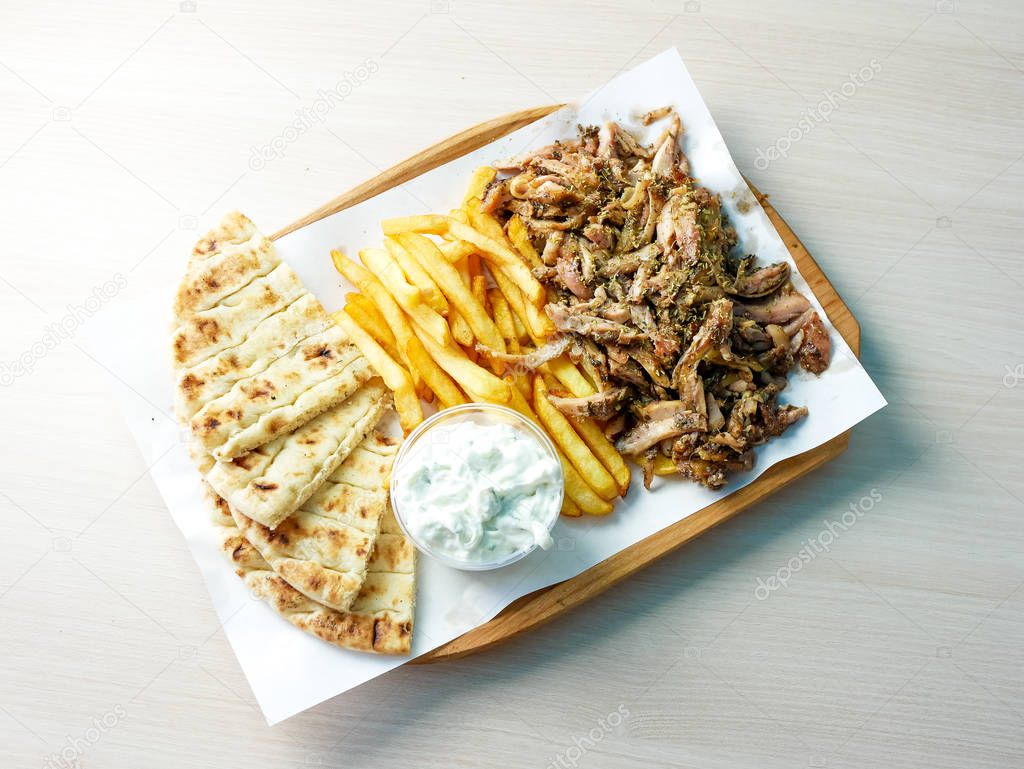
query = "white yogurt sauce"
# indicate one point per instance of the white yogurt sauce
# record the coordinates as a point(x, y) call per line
point(477, 493)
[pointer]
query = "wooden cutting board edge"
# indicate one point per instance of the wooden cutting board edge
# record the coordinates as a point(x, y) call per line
point(531, 611)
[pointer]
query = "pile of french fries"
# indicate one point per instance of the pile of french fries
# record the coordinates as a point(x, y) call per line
point(443, 284)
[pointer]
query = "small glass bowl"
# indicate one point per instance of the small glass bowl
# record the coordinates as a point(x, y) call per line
point(483, 414)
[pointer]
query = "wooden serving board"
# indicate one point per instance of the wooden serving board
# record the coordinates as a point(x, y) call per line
point(545, 604)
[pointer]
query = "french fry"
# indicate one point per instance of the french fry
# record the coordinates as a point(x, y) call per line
point(377, 328)
point(461, 332)
point(537, 324)
point(503, 320)
point(566, 372)
point(520, 237)
point(478, 182)
point(407, 404)
point(436, 378)
point(604, 450)
point(448, 280)
point(372, 289)
point(435, 224)
point(575, 487)
point(495, 251)
point(569, 508)
point(390, 275)
point(502, 317)
point(570, 377)
point(478, 382)
point(480, 292)
point(473, 267)
point(504, 258)
point(664, 466)
point(456, 250)
point(369, 308)
point(559, 428)
point(418, 277)
point(485, 223)
point(366, 315)
point(521, 333)
point(580, 492)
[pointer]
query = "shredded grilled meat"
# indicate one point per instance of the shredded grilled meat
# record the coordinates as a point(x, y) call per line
point(687, 342)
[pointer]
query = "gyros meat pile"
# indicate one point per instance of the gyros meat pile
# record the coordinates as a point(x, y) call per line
point(688, 342)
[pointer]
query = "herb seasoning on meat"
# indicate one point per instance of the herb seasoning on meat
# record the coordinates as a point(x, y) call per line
point(688, 343)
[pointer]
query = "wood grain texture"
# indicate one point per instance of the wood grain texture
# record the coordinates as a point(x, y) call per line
point(543, 605)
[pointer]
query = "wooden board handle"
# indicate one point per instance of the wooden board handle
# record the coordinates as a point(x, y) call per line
point(451, 148)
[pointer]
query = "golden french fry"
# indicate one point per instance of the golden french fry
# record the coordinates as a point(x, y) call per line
point(358, 275)
point(395, 377)
point(484, 223)
point(390, 275)
point(566, 372)
point(435, 224)
point(503, 320)
point(504, 258)
point(367, 307)
point(575, 487)
point(569, 508)
point(478, 182)
point(538, 325)
point(461, 332)
point(436, 378)
point(417, 276)
point(377, 328)
point(480, 292)
point(456, 250)
point(664, 466)
point(473, 267)
point(461, 297)
point(520, 237)
point(478, 382)
point(502, 315)
point(605, 450)
point(495, 251)
point(560, 429)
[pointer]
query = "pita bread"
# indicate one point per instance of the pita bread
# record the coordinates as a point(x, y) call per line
point(227, 258)
point(323, 548)
point(269, 483)
point(256, 355)
point(381, 617)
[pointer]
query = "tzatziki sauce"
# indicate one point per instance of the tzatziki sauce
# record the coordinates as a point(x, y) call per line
point(477, 493)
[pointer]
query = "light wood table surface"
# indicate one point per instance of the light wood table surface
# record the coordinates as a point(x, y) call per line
point(125, 126)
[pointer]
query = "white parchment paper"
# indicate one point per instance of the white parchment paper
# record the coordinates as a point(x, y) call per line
point(130, 338)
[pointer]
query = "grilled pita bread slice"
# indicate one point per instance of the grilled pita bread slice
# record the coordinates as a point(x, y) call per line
point(264, 343)
point(323, 548)
point(255, 354)
point(226, 259)
point(381, 617)
point(321, 371)
point(269, 483)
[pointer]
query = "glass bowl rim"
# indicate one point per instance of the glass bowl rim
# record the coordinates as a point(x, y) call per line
point(521, 422)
